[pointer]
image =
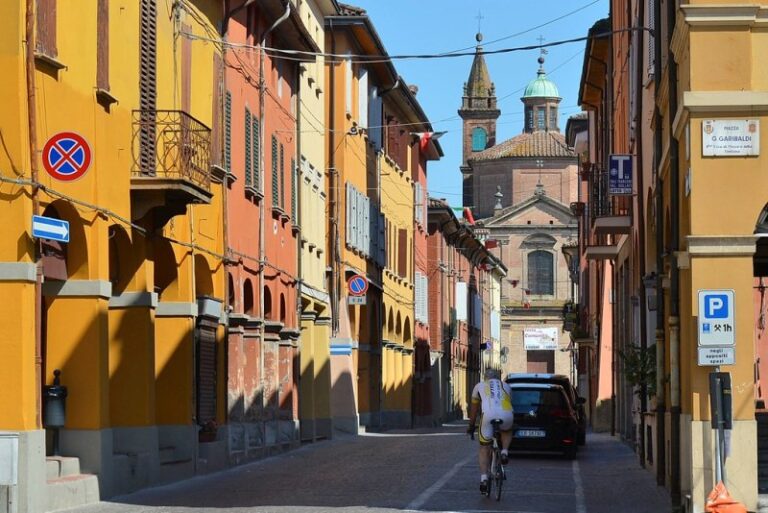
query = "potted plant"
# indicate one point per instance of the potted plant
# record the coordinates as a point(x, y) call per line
point(640, 368)
point(207, 432)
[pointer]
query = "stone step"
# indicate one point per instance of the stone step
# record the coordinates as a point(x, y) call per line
point(167, 454)
point(72, 491)
point(61, 466)
point(175, 471)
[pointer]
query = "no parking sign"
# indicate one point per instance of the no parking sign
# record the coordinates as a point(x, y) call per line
point(66, 156)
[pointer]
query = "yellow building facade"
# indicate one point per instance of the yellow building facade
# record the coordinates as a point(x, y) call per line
point(315, 382)
point(131, 306)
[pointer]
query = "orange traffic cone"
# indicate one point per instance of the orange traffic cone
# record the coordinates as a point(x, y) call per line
point(720, 501)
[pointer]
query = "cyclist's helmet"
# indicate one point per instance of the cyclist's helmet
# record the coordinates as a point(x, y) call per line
point(492, 373)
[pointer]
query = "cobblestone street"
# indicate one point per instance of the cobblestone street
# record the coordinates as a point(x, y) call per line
point(423, 470)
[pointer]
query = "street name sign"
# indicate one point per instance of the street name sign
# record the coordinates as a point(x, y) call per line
point(730, 137)
point(620, 175)
point(50, 228)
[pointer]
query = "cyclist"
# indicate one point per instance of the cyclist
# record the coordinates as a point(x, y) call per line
point(494, 398)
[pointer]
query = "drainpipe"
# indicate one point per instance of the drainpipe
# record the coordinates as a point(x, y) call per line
point(262, 136)
point(300, 275)
point(661, 460)
point(641, 222)
point(32, 126)
point(333, 178)
point(674, 310)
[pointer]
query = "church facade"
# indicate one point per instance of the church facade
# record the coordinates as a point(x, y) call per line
point(520, 191)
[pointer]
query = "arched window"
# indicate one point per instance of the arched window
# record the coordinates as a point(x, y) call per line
point(479, 139)
point(541, 277)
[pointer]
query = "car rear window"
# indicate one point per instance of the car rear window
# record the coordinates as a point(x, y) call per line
point(534, 401)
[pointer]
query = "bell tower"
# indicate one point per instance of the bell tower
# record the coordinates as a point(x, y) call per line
point(479, 114)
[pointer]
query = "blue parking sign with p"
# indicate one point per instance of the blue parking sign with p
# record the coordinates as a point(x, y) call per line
point(717, 322)
point(716, 306)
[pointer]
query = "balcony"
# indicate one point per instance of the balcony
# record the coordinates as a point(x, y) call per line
point(171, 164)
point(610, 213)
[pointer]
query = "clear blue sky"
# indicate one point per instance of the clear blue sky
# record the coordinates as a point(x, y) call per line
point(434, 26)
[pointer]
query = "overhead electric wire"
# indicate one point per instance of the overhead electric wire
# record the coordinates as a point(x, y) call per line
point(374, 59)
point(517, 34)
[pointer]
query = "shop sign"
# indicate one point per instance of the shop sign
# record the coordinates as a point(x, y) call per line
point(540, 339)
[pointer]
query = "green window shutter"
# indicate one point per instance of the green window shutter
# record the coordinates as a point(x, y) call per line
point(248, 147)
point(228, 132)
point(275, 188)
point(256, 148)
point(293, 192)
point(282, 176)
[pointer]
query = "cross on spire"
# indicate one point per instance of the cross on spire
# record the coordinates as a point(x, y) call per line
point(479, 19)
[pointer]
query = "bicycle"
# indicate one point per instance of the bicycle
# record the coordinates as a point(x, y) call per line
point(498, 474)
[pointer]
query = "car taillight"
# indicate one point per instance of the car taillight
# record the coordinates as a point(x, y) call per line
point(567, 441)
point(560, 413)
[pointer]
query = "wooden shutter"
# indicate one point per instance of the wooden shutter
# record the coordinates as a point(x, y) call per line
point(216, 132)
point(366, 225)
point(350, 217)
point(147, 83)
point(228, 132)
point(282, 176)
point(293, 192)
point(402, 252)
point(46, 28)
point(275, 183)
point(382, 241)
point(102, 45)
point(362, 97)
point(248, 149)
point(186, 69)
point(256, 150)
point(205, 377)
point(651, 36)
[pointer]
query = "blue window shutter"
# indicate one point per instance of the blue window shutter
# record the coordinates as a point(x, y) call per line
point(479, 139)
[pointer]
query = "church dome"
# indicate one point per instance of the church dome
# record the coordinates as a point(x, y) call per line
point(541, 86)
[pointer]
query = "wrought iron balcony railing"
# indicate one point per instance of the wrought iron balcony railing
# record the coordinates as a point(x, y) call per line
point(602, 203)
point(171, 144)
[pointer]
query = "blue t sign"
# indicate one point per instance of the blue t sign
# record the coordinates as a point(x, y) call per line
point(620, 174)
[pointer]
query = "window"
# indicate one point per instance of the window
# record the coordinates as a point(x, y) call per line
point(248, 149)
point(362, 97)
point(228, 132)
point(553, 118)
point(256, 152)
point(421, 309)
point(102, 45)
point(529, 119)
point(294, 185)
point(281, 193)
point(46, 28)
point(479, 139)
point(541, 273)
point(540, 118)
point(275, 183)
point(348, 84)
point(375, 117)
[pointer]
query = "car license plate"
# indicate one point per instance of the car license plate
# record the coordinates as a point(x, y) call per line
point(531, 433)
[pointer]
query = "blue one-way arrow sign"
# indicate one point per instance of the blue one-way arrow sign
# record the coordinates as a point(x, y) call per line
point(50, 228)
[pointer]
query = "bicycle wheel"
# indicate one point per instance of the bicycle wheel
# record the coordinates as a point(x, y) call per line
point(492, 477)
point(499, 478)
